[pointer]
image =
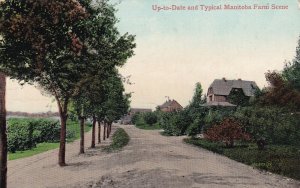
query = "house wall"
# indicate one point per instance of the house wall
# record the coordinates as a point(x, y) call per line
point(219, 98)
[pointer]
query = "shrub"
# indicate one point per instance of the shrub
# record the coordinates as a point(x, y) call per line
point(135, 118)
point(216, 115)
point(150, 118)
point(175, 123)
point(119, 139)
point(272, 124)
point(194, 128)
point(228, 131)
point(24, 134)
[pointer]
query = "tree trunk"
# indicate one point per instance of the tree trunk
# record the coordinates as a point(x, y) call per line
point(99, 132)
point(62, 108)
point(110, 128)
point(104, 130)
point(93, 132)
point(3, 136)
point(81, 135)
point(108, 125)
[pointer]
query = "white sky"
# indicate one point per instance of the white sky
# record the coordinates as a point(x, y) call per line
point(177, 49)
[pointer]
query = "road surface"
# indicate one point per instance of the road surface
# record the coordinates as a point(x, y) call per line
point(148, 161)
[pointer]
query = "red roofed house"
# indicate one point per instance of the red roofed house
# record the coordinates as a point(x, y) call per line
point(170, 105)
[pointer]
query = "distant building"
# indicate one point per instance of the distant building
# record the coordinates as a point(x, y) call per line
point(127, 118)
point(133, 111)
point(170, 105)
point(219, 90)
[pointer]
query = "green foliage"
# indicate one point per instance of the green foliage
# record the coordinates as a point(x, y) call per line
point(119, 139)
point(216, 115)
point(280, 159)
point(142, 125)
point(195, 128)
point(175, 123)
point(136, 117)
point(291, 71)
point(150, 118)
point(24, 134)
point(275, 125)
point(237, 97)
point(197, 98)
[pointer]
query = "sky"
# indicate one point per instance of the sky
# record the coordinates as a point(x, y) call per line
point(176, 49)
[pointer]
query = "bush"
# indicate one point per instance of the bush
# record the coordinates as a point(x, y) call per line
point(119, 139)
point(135, 118)
point(175, 123)
point(272, 124)
point(150, 118)
point(24, 134)
point(228, 131)
point(195, 128)
point(216, 115)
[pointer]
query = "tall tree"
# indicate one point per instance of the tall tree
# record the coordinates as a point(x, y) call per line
point(3, 136)
point(54, 44)
point(197, 97)
point(284, 86)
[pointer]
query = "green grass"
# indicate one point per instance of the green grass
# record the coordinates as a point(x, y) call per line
point(119, 139)
point(41, 147)
point(280, 159)
point(72, 127)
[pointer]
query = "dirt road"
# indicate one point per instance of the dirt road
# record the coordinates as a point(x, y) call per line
point(149, 161)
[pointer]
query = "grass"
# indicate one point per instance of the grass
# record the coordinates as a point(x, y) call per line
point(119, 139)
point(72, 127)
point(40, 148)
point(280, 159)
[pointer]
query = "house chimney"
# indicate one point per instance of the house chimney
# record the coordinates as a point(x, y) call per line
point(224, 79)
point(239, 79)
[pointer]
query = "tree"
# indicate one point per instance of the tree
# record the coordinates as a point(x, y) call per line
point(284, 86)
point(44, 49)
point(291, 71)
point(59, 45)
point(196, 111)
point(3, 136)
point(116, 102)
point(197, 97)
point(237, 97)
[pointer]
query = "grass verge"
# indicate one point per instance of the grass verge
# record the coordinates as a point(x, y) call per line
point(72, 127)
point(280, 159)
point(119, 139)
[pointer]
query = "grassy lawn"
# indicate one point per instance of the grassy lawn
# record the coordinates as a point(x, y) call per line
point(280, 159)
point(142, 125)
point(119, 139)
point(72, 127)
point(42, 147)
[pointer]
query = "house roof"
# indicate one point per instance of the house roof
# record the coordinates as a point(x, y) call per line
point(216, 103)
point(223, 86)
point(169, 103)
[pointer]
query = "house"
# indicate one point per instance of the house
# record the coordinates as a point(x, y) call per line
point(219, 90)
point(170, 105)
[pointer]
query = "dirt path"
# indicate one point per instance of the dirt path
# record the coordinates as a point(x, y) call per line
point(149, 161)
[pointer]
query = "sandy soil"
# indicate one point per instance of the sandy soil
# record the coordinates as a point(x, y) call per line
point(149, 161)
